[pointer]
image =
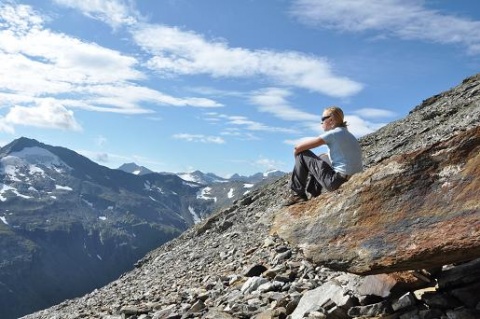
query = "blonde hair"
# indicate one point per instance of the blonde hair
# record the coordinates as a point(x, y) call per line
point(338, 116)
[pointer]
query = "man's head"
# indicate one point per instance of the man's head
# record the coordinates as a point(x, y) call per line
point(333, 117)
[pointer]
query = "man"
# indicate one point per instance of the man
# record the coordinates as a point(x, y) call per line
point(327, 172)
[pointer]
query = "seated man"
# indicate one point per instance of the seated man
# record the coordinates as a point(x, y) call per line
point(345, 157)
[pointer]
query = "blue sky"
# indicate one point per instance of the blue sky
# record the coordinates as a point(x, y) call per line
point(222, 86)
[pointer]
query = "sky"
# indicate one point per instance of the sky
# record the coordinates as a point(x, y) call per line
point(221, 86)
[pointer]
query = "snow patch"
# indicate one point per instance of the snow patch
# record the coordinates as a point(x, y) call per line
point(87, 202)
point(147, 186)
point(204, 193)
point(32, 156)
point(4, 220)
point(35, 170)
point(5, 188)
point(191, 184)
point(17, 166)
point(196, 217)
point(63, 188)
point(9, 170)
point(188, 177)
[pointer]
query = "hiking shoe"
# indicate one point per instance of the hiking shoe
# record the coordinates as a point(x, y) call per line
point(294, 199)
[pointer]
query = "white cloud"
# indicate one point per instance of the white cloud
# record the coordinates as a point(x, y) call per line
point(60, 59)
point(405, 19)
point(184, 52)
point(6, 127)
point(101, 140)
point(240, 134)
point(19, 19)
point(248, 124)
point(274, 101)
point(199, 138)
point(244, 122)
point(129, 97)
point(115, 13)
point(48, 114)
point(374, 113)
point(266, 164)
point(36, 63)
point(360, 127)
point(102, 158)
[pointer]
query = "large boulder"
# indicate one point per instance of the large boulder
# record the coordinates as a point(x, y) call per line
point(419, 210)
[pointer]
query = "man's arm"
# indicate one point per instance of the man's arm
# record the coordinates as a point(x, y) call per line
point(308, 144)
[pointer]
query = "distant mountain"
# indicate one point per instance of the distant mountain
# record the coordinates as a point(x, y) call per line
point(202, 178)
point(69, 225)
point(135, 169)
point(259, 177)
point(208, 178)
point(222, 191)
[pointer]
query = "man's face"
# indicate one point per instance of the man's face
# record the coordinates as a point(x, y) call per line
point(327, 121)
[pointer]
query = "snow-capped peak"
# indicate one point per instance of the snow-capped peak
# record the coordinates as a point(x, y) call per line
point(31, 158)
point(35, 155)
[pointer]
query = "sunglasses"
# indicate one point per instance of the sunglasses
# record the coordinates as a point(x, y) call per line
point(324, 118)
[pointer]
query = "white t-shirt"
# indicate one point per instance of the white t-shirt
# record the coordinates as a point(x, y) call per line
point(344, 151)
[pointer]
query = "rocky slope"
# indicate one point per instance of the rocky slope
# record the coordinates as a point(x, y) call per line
point(251, 260)
point(436, 119)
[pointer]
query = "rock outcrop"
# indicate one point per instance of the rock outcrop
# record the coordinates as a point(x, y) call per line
point(251, 260)
point(413, 211)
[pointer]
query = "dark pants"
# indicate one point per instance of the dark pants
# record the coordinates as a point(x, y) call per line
point(311, 169)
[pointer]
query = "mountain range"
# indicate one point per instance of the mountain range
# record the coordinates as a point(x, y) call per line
point(207, 178)
point(69, 225)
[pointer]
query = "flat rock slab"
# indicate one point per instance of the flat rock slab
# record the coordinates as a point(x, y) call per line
point(419, 210)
